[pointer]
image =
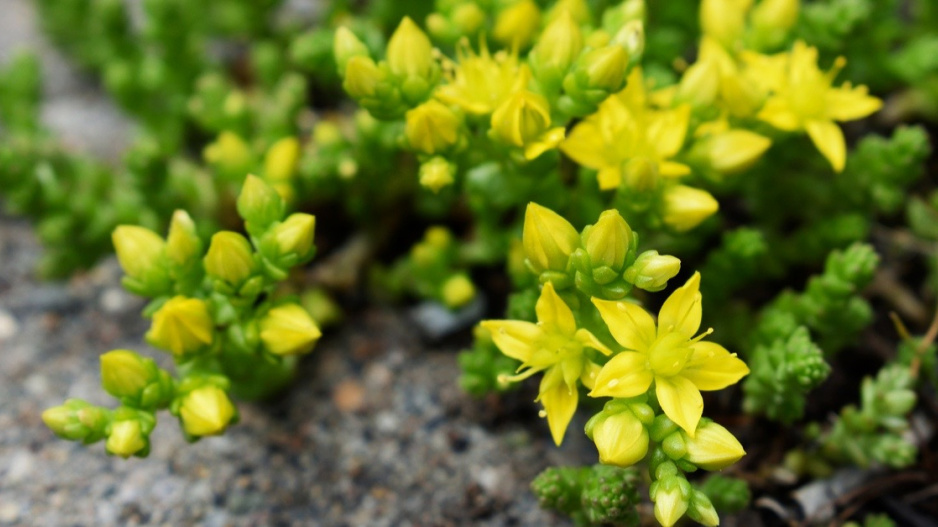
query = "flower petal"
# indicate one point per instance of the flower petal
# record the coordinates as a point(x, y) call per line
point(589, 340)
point(585, 145)
point(630, 324)
point(712, 367)
point(589, 374)
point(609, 177)
point(553, 312)
point(667, 130)
point(778, 113)
point(682, 310)
point(847, 103)
point(515, 338)
point(673, 169)
point(559, 402)
point(829, 139)
point(625, 375)
point(681, 401)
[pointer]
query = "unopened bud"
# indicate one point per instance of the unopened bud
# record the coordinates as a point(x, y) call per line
point(516, 25)
point(362, 77)
point(605, 67)
point(345, 46)
point(608, 241)
point(124, 373)
point(458, 291)
point(182, 325)
point(409, 52)
point(651, 271)
point(548, 239)
point(206, 411)
point(701, 510)
point(620, 437)
point(713, 447)
point(700, 84)
point(559, 45)
point(432, 127)
point(686, 207)
point(671, 500)
point(126, 438)
point(295, 235)
point(437, 173)
point(229, 258)
point(183, 244)
point(281, 159)
point(732, 151)
point(259, 204)
point(289, 330)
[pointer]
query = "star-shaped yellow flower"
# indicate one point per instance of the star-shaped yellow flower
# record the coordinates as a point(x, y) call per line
point(555, 346)
point(804, 99)
point(669, 356)
point(624, 128)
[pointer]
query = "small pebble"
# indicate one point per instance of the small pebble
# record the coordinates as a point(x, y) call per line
point(8, 325)
point(349, 396)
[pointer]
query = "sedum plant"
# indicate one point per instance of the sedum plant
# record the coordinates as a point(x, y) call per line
point(215, 310)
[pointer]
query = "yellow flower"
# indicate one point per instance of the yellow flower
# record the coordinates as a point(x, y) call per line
point(651, 271)
point(182, 325)
point(523, 120)
point(480, 82)
point(516, 25)
point(206, 411)
point(805, 99)
point(289, 330)
point(548, 239)
point(432, 127)
point(669, 356)
point(625, 129)
point(554, 346)
point(126, 438)
point(294, 236)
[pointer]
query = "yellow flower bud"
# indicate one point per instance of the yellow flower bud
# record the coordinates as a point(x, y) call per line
point(733, 151)
point(468, 18)
point(621, 439)
point(724, 20)
point(608, 241)
point(686, 207)
point(126, 438)
point(651, 271)
point(327, 133)
point(259, 204)
point(578, 9)
point(775, 15)
point(182, 325)
point(432, 127)
point(458, 291)
point(289, 330)
point(701, 510)
point(438, 237)
point(559, 44)
point(522, 118)
point(281, 159)
point(713, 447)
point(295, 235)
point(700, 84)
point(346, 45)
point(229, 152)
point(605, 67)
point(229, 258)
point(361, 77)
point(206, 411)
point(124, 373)
point(183, 243)
point(632, 38)
point(548, 239)
point(516, 25)
point(670, 503)
point(436, 174)
point(409, 51)
point(141, 253)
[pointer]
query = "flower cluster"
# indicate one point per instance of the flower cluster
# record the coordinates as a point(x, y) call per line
point(596, 338)
point(215, 311)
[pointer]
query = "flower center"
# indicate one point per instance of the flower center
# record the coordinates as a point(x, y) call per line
point(668, 354)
